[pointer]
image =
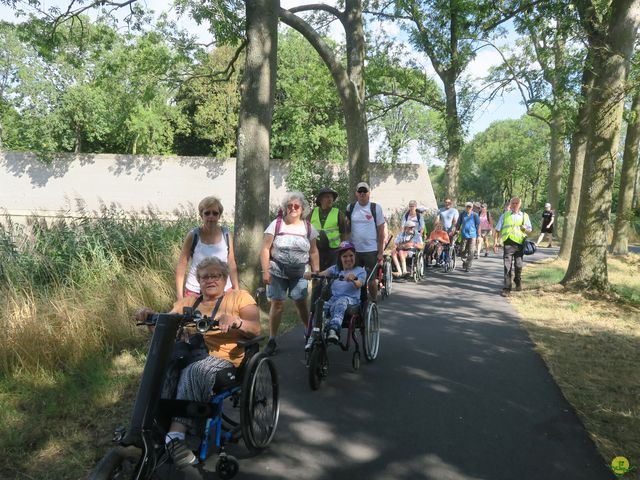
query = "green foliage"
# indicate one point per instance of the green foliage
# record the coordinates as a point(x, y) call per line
point(55, 252)
point(308, 122)
point(510, 158)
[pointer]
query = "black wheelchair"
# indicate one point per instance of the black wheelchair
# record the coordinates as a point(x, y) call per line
point(251, 391)
point(361, 318)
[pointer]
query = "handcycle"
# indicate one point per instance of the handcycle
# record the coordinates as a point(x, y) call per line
point(362, 318)
point(252, 389)
point(447, 258)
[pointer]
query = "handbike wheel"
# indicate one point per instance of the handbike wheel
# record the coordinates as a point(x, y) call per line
point(355, 361)
point(259, 403)
point(371, 332)
point(453, 260)
point(318, 364)
point(118, 463)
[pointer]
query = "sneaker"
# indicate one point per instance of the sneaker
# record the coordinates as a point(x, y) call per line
point(518, 288)
point(505, 293)
point(271, 347)
point(180, 454)
point(475, 255)
point(466, 269)
point(486, 254)
point(309, 343)
point(332, 336)
point(549, 246)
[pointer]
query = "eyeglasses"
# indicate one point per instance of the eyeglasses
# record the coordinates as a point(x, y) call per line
point(293, 206)
point(211, 276)
point(215, 213)
point(363, 190)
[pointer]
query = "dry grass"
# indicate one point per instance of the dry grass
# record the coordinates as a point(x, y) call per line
point(591, 344)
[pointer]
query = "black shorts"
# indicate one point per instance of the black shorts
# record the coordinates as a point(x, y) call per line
point(368, 260)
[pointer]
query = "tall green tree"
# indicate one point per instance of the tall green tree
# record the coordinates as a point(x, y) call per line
point(612, 29)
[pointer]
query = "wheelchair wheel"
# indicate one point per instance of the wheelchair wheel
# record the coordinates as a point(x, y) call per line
point(118, 463)
point(387, 276)
point(417, 267)
point(453, 260)
point(318, 366)
point(259, 403)
point(371, 332)
point(355, 361)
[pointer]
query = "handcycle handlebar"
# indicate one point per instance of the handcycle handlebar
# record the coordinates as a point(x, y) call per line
point(189, 317)
point(316, 276)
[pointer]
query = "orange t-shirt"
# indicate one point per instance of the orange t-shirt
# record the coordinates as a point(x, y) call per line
point(222, 345)
point(439, 235)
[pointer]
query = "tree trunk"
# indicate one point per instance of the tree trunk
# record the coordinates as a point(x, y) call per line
point(624, 214)
point(612, 48)
point(577, 154)
point(352, 103)
point(454, 138)
point(254, 137)
point(556, 154)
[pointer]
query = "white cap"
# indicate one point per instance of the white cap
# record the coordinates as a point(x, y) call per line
point(409, 223)
point(468, 204)
point(547, 205)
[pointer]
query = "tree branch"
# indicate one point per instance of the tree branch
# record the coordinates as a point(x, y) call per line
point(319, 6)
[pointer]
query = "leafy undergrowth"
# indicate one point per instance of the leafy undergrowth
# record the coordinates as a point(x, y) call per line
point(591, 344)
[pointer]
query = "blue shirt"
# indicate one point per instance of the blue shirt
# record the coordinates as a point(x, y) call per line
point(346, 288)
point(469, 224)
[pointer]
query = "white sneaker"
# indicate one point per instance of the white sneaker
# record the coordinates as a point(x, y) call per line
point(332, 336)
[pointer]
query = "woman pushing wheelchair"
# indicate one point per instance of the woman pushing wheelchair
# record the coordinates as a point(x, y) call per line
point(345, 289)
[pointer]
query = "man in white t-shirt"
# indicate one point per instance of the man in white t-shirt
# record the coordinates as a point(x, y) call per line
point(366, 222)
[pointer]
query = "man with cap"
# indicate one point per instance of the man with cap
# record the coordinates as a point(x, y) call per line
point(367, 226)
point(548, 217)
point(331, 224)
point(469, 228)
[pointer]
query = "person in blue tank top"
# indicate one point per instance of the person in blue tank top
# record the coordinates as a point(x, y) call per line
point(345, 291)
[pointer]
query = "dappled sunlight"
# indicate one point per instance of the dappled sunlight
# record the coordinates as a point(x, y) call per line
point(429, 466)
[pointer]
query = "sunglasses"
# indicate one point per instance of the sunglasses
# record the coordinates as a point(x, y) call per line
point(215, 213)
point(211, 276)
point(363, 190)
point(293, 206)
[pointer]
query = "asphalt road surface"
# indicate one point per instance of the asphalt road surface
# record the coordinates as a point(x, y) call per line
point(456, 393)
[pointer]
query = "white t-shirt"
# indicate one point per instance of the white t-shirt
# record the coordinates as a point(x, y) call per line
point(294, 247)
point(364, 234)
point(202, 251)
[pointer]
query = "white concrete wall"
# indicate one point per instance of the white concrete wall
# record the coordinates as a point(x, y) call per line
point(135, 183)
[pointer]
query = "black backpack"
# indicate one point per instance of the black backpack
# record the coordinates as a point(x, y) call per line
point(374, 213)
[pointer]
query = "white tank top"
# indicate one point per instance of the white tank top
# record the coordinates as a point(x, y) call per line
point(202, 251)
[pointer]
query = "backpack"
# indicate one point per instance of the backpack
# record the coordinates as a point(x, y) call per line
point(279, 220)
point(195, 234)
point(374, 213)
point(418, 216)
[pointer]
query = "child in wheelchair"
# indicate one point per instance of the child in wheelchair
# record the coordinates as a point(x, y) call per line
point(345, 289)
point(438, 239)
point(406, 244)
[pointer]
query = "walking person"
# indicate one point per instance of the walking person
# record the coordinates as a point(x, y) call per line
point(331, 225)
point(289, 245)
point(367, 226)
point(415, 216)
point(497, 241)
point(209, 240)
point(448, 216)
point(486, 226)
point(513, 227)
point(548, 219)
point(469, 227)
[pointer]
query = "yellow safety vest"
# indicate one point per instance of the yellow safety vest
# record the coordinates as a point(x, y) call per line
point(331, 228)
point(512, 230)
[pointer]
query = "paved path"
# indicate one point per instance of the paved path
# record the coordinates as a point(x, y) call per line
point(457, 393)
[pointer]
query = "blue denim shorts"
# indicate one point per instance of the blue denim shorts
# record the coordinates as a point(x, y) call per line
point(279, 287)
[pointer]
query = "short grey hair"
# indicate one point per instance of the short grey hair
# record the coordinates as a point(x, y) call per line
point(296, 196)
point(214, 262)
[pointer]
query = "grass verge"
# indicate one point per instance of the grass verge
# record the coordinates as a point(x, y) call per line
point(591, 345)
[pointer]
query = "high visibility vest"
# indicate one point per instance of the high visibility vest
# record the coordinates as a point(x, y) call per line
point(512, 230)
point(330, 228)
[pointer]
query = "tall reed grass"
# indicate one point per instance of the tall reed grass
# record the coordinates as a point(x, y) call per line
point(68, 287)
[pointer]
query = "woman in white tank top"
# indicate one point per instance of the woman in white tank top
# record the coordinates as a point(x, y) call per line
point(212, 242)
